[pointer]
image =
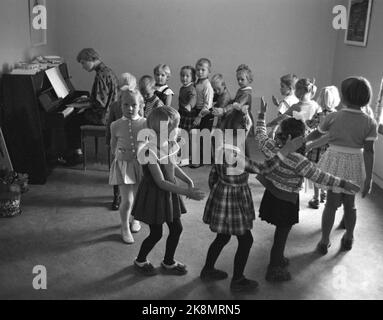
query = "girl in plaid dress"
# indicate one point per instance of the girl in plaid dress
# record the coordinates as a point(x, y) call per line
point(229, 209)
point(328, 100)
point(187, 98)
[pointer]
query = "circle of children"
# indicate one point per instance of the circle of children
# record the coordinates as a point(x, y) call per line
point(329, 141)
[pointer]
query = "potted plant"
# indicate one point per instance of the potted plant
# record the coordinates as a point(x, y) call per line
point(12, 185)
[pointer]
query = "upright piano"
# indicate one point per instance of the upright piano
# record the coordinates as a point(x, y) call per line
point(33, 118)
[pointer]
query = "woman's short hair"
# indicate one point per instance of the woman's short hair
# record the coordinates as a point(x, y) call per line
point(356, 91)
point(88, 54)
point(243, 68)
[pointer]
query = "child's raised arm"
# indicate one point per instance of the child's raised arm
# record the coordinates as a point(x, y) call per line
point(270, 164)
point(266, 144)
point(159, 179)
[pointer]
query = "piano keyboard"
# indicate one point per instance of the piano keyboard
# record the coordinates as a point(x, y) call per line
point(67, 111)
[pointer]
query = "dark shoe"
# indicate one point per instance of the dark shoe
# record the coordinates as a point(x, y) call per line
point(212, 274)
point(323, 197)
point(145, 268)
point(341, 226)
point(116, 203)
point(243, 285)
point(346, 244)
point(314, 203)
point(322, 248)
point(277, 274)
point(285, 262)
point(177, 268)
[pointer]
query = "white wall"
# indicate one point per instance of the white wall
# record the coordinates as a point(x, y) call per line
point(273, 37)
point(14, 33)
point(368, 62)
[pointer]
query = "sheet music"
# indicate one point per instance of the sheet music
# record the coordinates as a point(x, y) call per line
point(58, 83)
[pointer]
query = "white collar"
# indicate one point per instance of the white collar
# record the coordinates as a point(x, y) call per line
point(188, 85)
point(126, 118)
point(246, 88)
point(352, 110)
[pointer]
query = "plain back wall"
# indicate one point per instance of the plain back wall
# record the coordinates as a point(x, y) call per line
point(273, 37)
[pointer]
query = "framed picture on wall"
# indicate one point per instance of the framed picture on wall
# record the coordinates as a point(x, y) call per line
point(37, 22)
point(359, 13)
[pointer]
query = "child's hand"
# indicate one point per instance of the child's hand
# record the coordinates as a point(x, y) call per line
point(197, 121)
point(218, 111)
point(204, 112)
point(236, 106)
point(195, 194)
point(367, 187)
point(263, 105)
point(276, 101)
point(292, 145)
point(351, 187)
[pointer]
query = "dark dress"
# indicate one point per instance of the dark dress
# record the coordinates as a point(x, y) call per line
point(153, 205)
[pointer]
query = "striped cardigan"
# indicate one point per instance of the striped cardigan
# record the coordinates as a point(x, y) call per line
point(288, 176)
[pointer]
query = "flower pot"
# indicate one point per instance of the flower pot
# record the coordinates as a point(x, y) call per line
point(10, 203)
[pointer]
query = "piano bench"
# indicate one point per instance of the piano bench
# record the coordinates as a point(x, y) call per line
point(96, 132)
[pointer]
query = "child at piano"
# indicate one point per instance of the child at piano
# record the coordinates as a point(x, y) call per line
point(126, 171)
point(126, 81)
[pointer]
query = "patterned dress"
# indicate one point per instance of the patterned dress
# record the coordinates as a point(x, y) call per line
point(187, 96)
point(230, 208)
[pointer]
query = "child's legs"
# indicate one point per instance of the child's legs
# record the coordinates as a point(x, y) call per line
point(244, 245)
point(215, 250)
point(148, 244)
point(333, 202)
point(127, 192)
point(175, 230)
point(277, 251)
point(349, 215)
point(116, 191)
point(316, 193)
